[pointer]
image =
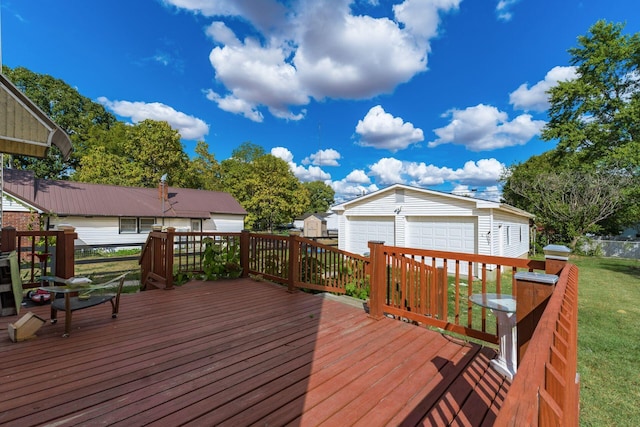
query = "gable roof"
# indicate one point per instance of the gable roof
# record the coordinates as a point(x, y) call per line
point(319, 215)
point(85, 199)
point(24, 128)
point(479, 203)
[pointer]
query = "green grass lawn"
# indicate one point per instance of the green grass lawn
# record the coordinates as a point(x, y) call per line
point(609, 341)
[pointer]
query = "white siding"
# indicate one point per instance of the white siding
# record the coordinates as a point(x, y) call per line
point(511, 235)
point(419, 204)
point(95, 231)
point(9, 204)
point(485, 236)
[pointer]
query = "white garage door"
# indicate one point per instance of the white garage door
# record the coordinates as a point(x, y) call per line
point(442, 234)
point(362, 230)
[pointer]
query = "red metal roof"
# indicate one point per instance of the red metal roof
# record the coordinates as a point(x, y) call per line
point(84, 199)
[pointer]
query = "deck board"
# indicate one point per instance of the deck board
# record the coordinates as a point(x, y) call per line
point(242, 352)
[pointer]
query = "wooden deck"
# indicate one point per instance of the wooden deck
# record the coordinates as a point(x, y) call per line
point(242, 352)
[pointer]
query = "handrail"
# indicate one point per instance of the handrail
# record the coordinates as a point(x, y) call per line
point(414, 284)
point(40, 252)
point(546, 389)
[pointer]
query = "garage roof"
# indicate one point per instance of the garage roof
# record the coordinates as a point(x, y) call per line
point(480, 203)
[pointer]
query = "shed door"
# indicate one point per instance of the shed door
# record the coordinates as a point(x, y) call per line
point(363, 229)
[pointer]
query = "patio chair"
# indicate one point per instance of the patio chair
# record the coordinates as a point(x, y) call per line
point(86, 299)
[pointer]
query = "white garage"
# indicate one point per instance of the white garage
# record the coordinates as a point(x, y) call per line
point(414, 217)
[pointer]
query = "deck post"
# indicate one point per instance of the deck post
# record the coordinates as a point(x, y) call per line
point(533, 291)
point(169, 258)
point(244, 252)
point(65, 255)
point(294, 260)
point(378, 280)
point(8, 239)
point(555, 258)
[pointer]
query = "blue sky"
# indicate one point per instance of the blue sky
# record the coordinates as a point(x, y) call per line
point(440, 94)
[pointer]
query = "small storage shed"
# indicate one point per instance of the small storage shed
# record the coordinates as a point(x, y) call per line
point(315, 226)
point(413, 217)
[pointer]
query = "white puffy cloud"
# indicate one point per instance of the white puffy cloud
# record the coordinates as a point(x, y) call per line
point(327, 157)
point(481, 173)
point(356, 183)
point(358, 176)
point(380, 129)
point(313, 49)
point(282, 153)
point(388, 170)
point(536, 98)
point(503, 9)
point(479, 178)
point(484, 127)
point(255, 76)
point(422, 17)
point(311, 173)
point(189, 127)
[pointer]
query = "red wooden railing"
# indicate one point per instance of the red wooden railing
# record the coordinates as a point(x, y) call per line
point(414, 284)
point(40, 253)
point(303, 263)
point(168, 254)
point(546, 390)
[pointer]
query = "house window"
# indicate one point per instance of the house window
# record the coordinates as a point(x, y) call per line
point(128, 225)
point(400, 195)
point(508, 235)
point(146, 224)
point(196, 225)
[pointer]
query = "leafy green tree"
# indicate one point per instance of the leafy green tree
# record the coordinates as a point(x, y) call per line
point(264, 185)
point(204, 171)
point(157, 149)
point(136, 156)
point(321, 196)
point(77, 115)
point(277, 195)
point(595, 119)
point(247, 152)
point(567, 203)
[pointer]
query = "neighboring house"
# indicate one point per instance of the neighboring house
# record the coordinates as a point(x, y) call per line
point(413, 217)
point(109, 214)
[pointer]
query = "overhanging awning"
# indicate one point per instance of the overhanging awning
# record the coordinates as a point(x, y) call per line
point(24, 128)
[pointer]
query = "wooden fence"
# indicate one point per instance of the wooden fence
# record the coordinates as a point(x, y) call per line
point(546, 390)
